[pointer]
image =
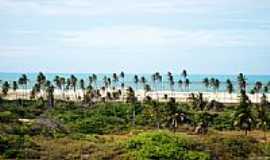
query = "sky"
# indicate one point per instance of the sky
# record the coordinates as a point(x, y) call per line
point(135, 36)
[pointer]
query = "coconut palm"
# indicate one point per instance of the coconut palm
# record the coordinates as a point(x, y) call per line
point(258, 86)
point(143, 81)
point(172, 114)
point(265, 89)
point(115, 79)
point(242, 82)
point(136, 81)
point(187, 83)
point(122, 76)
point(50, 95)
point(263, 118)
point(57, 82)
point(229, 87)
point(95, 78)
point(68, 85)
point(41, 80)
point(184, 74)
point(147, 89)
point(15, 87)
point(171, 82)
point(180, 84)
point(5, 88)
point(244, 117)
point(73, 82)
point(82, 86)
point(206, 83)
point(131, 98)
point(23, 80)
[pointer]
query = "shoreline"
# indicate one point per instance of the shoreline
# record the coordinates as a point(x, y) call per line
point(222, 97)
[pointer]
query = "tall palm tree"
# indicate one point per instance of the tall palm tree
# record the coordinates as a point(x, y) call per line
point(41, 80)
point(171, 82)
point(115, 79)
point(187, 83)
point(244, 117)
point(131, 98)
point(73, 81)
point(50, 95)
point(15, 87)
point(257, 89)
point(242, 82)
point(265, 89)
point(82, 86)
point(5, 88)
point(95, 78)
point(147, 89)
point(206, 83)
point(57, 82)
point(229, 87)
point(173, 115)
point(122, 76)
point(143, 81)
point(184, 74)
point(23, 80)
point(263, 118)
point(136, 81)
point(63, 83)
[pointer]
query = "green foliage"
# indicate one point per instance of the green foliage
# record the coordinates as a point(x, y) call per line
point(238, 147)
point(6, 116)
point(164, 145)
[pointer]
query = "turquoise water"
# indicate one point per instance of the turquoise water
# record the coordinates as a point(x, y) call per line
point(195, 85)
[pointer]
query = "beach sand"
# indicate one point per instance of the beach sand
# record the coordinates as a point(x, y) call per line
point(222, 97)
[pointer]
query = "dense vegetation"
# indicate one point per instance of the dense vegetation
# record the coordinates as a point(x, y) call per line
point(119, 126)
point(109, 130)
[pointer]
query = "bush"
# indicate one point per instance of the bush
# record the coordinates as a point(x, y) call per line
point(163, 145)
point(6, 116)
point(233, 147)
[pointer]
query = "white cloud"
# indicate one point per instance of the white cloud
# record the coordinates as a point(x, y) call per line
point(124, 7)
point(155, 37)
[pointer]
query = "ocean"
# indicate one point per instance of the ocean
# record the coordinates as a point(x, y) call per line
point(196, 84)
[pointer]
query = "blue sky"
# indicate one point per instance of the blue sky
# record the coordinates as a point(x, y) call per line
point(142, 36)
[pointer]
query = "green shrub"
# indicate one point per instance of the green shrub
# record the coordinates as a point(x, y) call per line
point(6, 116)
point(163, 145)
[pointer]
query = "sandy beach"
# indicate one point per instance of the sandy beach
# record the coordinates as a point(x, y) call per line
point(222, 97)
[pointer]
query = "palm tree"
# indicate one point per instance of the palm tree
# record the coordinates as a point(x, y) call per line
point(57, 82)
point(229, 87)
point(62, 82)
point(184, 74)
point(50, 95)
point(5, 88)
point(187, 83)
point(15, 87)
point(143, 81)
point(206, 83)
point(136, 81)
point(115, 79)
point(131, 98)
point(265, 89)
point(242, 82)
point(94, 77)
point(82, 86)
point(73, 81)
point(23, 82)
point(244, 117)
point(171, 82)
point(147, 89)
point(257, 89)
point(122, 76)
point(213, 83)
point(180, 84)
point(263, 118)
point(41, 80)
point(172, 114)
